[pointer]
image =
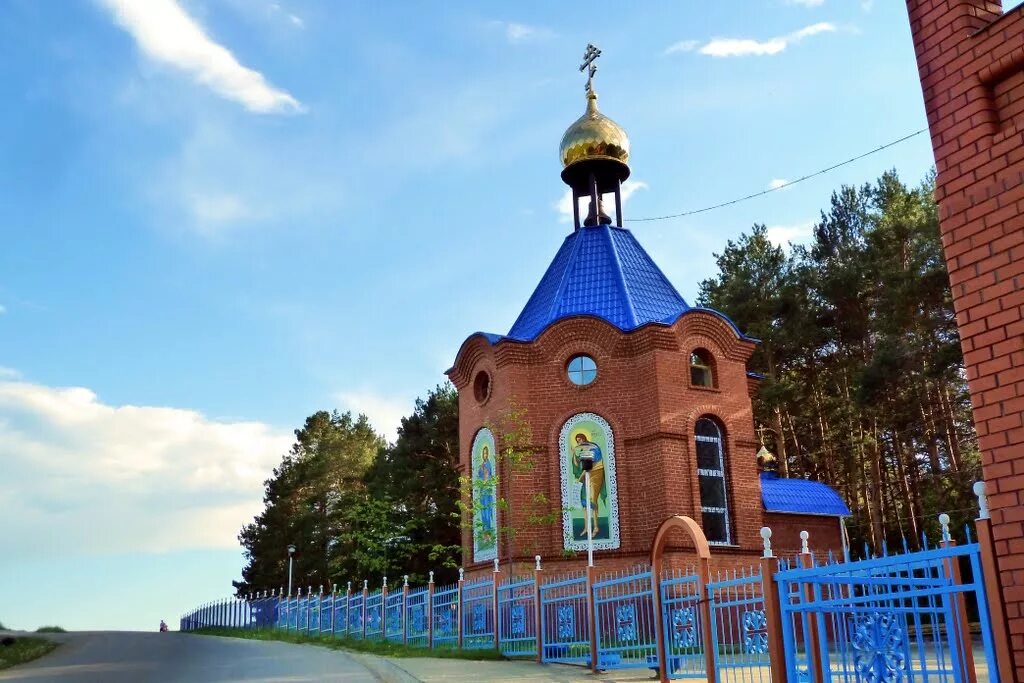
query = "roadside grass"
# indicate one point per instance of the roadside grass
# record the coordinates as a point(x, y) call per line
point(23, 649)
point(50, 629)
point(374, 647)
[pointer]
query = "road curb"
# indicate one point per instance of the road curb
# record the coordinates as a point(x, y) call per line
point(384, 669)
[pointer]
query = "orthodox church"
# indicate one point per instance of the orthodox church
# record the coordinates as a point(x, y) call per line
point(608, 365)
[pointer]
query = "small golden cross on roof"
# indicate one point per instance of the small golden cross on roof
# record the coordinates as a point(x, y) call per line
point(589, 59)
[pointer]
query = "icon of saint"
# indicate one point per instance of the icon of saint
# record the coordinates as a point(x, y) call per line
point(485, 479)
point(597, 490)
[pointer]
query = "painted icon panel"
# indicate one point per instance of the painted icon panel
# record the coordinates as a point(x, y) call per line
point(485, 508)
point(586, 436)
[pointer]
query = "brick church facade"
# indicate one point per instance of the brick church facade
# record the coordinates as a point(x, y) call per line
point(607, 358)
point(970, 57)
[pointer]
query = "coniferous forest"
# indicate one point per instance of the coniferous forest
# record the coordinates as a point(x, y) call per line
point(864, 388)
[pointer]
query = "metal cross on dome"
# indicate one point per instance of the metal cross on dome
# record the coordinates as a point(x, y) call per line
point(589, 57)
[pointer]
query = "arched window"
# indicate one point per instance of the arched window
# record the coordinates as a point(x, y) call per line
point(702, 368)
point(714, 503)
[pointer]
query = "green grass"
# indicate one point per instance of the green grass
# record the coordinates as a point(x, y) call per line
point(23, 650)
point(374, 647)
point(50, 629)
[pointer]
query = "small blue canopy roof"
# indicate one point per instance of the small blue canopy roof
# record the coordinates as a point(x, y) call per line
point(800, 496)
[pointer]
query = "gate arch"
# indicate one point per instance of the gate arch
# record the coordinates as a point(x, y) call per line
point(703, 550)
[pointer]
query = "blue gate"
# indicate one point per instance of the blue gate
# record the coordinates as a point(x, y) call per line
point(681, 624)
point(627, 635)
point(895, 618)
point(565, 622)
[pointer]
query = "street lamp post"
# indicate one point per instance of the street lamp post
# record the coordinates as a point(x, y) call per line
point(291, 551)
point(587, 461)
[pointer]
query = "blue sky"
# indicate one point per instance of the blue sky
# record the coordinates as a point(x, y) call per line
point(221, 215)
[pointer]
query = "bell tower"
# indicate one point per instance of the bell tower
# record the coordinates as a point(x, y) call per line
point(594, 154)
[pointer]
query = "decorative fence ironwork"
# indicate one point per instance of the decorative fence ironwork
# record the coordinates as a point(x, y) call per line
point(681, 594)
point(417, 615)
point(892, 618)
point(394, 616)
point(356, 614)
point(517, 617)
point(899, 617)
point(740, 627)
point(564, 620)
point(478, 614)
point(626, 623)
point(445, 617)
point(375, 614)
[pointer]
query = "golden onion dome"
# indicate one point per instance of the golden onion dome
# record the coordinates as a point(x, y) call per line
point(593, 136)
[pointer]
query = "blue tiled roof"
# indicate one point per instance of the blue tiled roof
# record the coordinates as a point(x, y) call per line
point(800, 496)
point(601, 271)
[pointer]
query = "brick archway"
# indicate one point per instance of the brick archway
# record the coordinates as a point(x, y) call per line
point(700, 543)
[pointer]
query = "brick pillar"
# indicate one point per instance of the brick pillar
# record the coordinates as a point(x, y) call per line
point(971, 63)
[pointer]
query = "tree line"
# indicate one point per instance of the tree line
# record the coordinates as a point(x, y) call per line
point(864, 388)
point(864, 384)
point(356, 507)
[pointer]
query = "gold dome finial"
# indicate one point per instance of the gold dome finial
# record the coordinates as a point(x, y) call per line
point(593, 135)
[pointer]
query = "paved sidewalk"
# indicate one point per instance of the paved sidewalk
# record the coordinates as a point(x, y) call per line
point(431, 670)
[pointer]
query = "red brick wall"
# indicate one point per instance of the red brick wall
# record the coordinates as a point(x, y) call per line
point(643, 390)
point(971, 61)
point(825, 534)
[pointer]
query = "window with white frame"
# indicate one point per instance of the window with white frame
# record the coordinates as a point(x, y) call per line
point(714, 503)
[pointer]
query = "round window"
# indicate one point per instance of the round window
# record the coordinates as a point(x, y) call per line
point(481, 386)
point(582, 370)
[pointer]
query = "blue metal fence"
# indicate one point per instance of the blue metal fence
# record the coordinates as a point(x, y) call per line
point(681, 594)
point(626, 624)
point(517, 616)
point(890, 619)
point(374, 614)
point(900, 617)
point(394, 616)
point(740, 627)
point(445, 616)
point(355, 615)
point(417, 614)
point(478, 614)
point(564, 620)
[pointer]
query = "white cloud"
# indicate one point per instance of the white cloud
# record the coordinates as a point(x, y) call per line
point(85, 477)
point(167, 34)
point(782, 235)
point(777, 183)
point(214, 211)
point(8, 373)
point(564, 205)
point(516, 33)
point(682, 46)
point(867, 5)
point(744, 47)
point(384, 412)
point(806, 3)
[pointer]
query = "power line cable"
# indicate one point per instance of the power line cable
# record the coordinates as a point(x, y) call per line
point(778, 187)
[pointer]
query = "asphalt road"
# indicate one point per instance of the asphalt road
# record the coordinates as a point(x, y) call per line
point(126, 656)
